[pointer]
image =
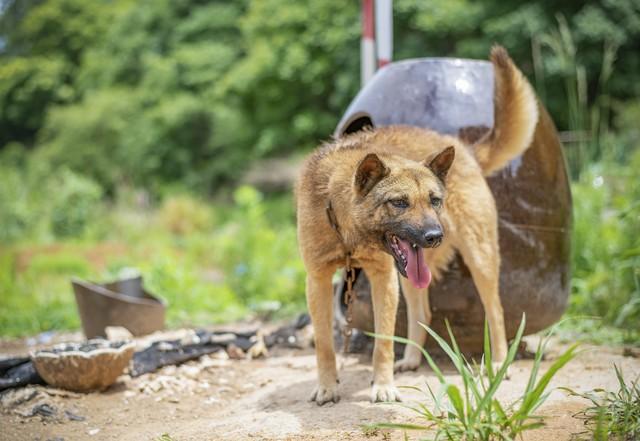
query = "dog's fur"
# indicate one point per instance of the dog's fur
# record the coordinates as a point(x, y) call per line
point(403, 183)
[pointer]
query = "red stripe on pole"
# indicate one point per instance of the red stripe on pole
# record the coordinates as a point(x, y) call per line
point(382, 63)
point(367, 19)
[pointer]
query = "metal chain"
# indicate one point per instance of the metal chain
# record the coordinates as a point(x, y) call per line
point(350, 278)
point(347, 329)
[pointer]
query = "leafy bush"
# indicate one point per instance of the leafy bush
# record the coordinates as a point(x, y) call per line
point(192, 300)
point(606, 244)
point(184, 215)
point(38, 298)
point(36, 202)
point(75, 202)
point(260, 261)
point(15, 212)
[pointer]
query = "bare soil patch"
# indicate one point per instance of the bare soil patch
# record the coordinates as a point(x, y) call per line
point(266, 399)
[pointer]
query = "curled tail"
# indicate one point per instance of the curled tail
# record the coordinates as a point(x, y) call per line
point(515, 115)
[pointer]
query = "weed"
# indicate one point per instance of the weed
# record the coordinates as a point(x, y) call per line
point(588, 118)
point(473, 412)
point(613, 415)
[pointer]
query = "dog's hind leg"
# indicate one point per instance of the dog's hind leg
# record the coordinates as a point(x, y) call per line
point(384, 294)
point(418, 311)
point(483, 260)
point(320, 303)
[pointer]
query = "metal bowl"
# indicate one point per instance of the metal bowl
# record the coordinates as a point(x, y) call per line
point(121, 303)
point(83, 367)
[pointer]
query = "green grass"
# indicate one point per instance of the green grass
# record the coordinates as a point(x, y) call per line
point(606, 244)
point(223, 259)
point(613, 415)
point(213, 262)
point(473, 411)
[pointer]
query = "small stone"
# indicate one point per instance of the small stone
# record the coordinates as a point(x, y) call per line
point(190, 371)
point(73, 417)
point(211, 400)
point(235, 352)
point(118, 333)
point(93, 431)
point(220, 355)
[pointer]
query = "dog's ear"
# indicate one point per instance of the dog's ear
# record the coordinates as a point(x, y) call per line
point(441, 162)
point(369, 172)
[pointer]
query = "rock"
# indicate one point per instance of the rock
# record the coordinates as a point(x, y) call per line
point(118, 333)
point(73, 417)
point(234, 352)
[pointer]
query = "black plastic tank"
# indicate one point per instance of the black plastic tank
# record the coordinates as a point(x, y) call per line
point(532, 193)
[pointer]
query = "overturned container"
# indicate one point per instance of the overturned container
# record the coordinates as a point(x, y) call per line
point(532, 194)
point(123, 303)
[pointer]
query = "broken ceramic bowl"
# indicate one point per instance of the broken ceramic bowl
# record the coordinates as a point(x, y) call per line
point(83, 367)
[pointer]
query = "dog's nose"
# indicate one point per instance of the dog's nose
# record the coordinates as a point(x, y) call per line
point(433, 237)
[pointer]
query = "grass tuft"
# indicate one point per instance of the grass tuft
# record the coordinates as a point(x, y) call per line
point(613, 415)
point(473, 411)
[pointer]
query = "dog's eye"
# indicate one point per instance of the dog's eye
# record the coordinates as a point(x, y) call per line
point(399, 203)
point(436, 202)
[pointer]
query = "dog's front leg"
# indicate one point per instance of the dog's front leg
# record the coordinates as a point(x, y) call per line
point(384, 294)
point(320, 303)
point(418, 311)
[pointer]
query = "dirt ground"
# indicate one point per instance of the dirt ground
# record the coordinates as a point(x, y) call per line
point(266, 399)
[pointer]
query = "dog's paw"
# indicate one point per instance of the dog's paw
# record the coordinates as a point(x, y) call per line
point(384, 392)
point(407, 364)
point(323, 394)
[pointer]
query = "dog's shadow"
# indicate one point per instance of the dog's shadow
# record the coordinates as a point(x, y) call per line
point(354, 410)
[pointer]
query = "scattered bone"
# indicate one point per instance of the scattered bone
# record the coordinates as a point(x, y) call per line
point(118, 333)
point(259, 348)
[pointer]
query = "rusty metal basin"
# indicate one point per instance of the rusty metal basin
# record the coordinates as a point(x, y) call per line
point(532, 194)
point(121, 303)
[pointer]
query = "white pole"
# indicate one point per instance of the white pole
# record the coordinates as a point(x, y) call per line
point(384, 31)
point(367, 44)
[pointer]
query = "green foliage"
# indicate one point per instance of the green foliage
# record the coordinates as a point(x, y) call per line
point(99, 97)
point(38, 202)
point(606, 245)
point(38, 299)
point(15, 214)
point(613, 415)
point(259, 259)
point(74, 204)
point(45, 42)
point(473, 411)
point(212, 262)
point(184, 215)
point(159, 92)
point(299, 72)
point(27, 87)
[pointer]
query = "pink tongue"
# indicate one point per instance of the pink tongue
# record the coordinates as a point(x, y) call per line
point(417, 270)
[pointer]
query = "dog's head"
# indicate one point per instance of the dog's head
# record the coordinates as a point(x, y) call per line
point(398, 203)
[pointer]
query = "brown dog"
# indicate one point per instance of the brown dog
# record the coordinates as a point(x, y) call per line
point(412, 197)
